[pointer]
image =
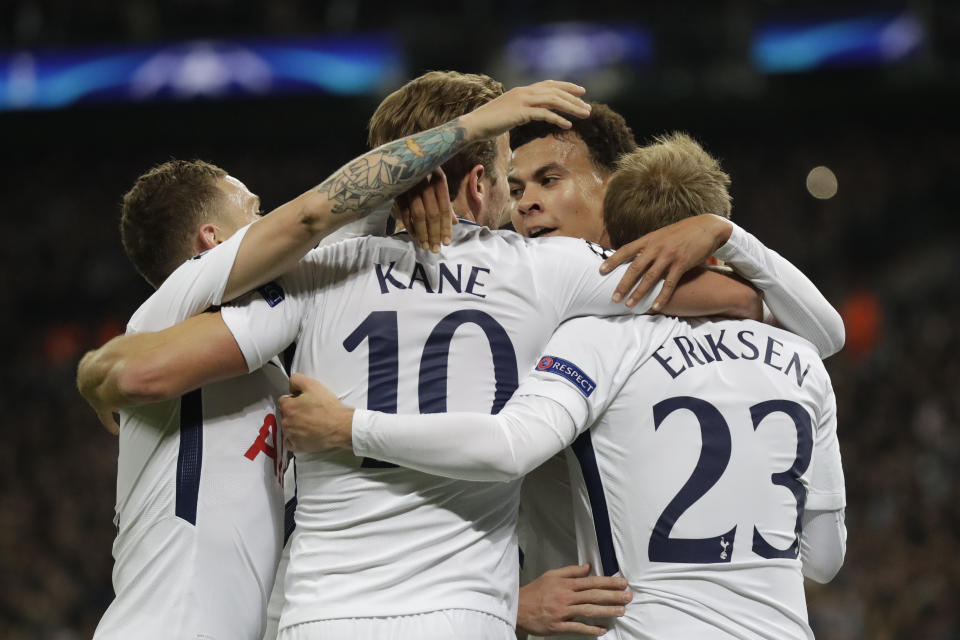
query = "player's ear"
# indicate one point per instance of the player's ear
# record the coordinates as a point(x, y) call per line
point(475, 190)
point(207, 237)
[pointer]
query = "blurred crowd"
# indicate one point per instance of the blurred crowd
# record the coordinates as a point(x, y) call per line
point(885, 250)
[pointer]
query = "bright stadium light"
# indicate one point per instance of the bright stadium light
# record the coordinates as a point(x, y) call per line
point(822, 183)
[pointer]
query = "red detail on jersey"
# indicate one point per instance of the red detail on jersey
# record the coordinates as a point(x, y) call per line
point(269, 429)
point(270, 443)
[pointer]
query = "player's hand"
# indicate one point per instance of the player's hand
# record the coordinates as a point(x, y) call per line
point(426, 213)
point(313, 418)
point(666, 253)
point(549, 604)
point(110, 420)
point(540, 101)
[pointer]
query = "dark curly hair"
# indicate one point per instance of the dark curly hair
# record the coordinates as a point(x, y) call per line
point(604, 132)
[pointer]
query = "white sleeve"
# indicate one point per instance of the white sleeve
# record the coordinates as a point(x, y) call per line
point(569, 278)
point(468, 446)
point(588, 360)
point(795, 301)
point(827, 490)
point(264, 322)
point(372, 224)
point(552, 406)
point(192, 288)
point(823, 544)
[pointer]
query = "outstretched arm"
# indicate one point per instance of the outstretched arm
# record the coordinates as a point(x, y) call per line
point(467, 446)
point(793, 299)
point(704, 292)
point(274, 244)
point(141, 368)
point(671, 251)
point(116, 375)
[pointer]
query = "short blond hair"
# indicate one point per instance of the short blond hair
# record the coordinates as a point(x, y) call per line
point(662, 183)
point(432, 99)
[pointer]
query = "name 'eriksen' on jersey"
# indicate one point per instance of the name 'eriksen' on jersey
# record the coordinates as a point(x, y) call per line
point(445, 280)
point(694, 354)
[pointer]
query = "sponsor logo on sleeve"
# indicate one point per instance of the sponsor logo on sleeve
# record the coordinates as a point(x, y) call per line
point(272, 293)
point(571, 372)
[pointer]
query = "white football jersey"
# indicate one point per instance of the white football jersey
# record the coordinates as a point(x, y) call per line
point(389, 327)
point(199, 510)
point(545, 529)
point(545, 522)
point(708, 441)
point(374, 223)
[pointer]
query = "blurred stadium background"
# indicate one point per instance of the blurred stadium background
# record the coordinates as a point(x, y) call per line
point(278, 92)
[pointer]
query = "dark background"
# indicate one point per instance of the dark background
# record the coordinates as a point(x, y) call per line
point(884, 250)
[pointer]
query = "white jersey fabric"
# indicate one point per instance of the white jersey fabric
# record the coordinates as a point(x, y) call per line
point(199, 509)
point(545, 529)
point(462, 624)
point(694, 478)
point(373, 223)
point(707, 442)
point(545, 522)
point(545, 526)
point(389, 327)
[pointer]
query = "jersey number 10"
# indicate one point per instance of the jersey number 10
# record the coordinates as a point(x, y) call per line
point(383, 368)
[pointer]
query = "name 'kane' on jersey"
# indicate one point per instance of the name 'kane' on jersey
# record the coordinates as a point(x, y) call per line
point(391, 328)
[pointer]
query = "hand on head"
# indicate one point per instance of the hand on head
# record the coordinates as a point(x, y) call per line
point(544, 100)
point(426, 213)
point(668, 253)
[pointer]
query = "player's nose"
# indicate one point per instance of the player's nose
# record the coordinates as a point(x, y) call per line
point(529, 204)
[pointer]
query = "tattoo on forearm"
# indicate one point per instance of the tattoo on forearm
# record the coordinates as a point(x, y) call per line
point(388, 171)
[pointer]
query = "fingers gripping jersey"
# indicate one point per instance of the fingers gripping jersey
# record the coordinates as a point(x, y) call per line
point(199, 509)
point(706, 447)
point(390, 328)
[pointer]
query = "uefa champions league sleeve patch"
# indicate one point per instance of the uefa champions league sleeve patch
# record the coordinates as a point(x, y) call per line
point(272, 293)
point(569, 371)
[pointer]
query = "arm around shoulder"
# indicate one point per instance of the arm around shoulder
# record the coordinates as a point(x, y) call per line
point(795, 301)
point(142, 368)
point(468, 446)
point(703, 292)
point(275, 243)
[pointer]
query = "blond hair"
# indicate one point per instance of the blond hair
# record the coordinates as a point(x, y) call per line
point(662, 183)
point(432, 99)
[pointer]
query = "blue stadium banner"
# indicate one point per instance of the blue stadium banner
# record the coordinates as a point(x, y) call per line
point(866, 40)
point(212, 69)
point(566, 49)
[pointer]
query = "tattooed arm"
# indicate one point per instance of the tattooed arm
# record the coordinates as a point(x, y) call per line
point(275, 243)
point(388, 171)
point(145, 367)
